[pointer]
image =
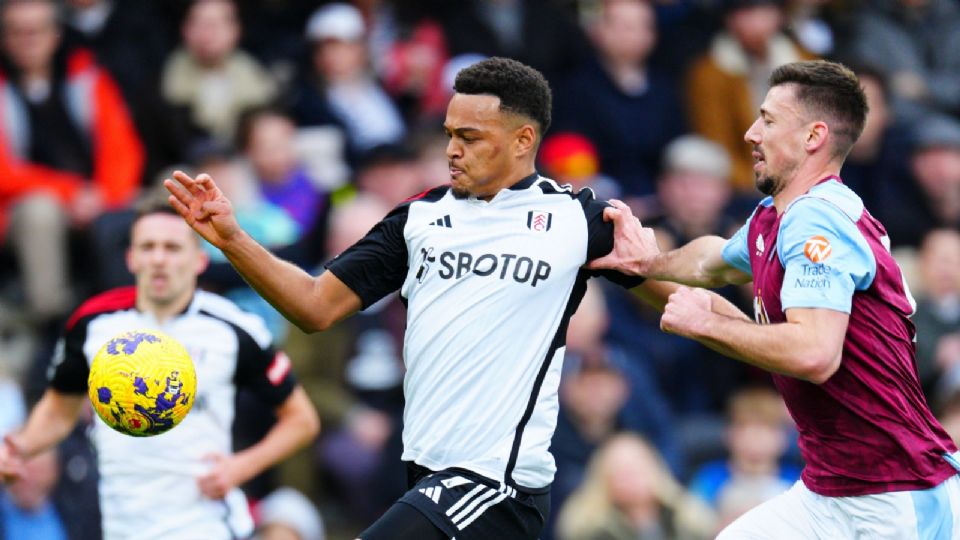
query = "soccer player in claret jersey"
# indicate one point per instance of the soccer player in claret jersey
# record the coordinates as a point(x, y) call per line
point(491, 269)
point(832, 323)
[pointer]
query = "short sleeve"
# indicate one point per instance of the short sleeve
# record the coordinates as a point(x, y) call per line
point(825, 257)
point(600, 239)
point(263, 370)
point(735, 251)
point(377, 264)
point(69, 369)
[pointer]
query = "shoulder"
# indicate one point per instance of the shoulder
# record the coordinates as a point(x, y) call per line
point(830, 200)
point(430, 195)
point(565, 192)
point(106, 302)
point(217, 307)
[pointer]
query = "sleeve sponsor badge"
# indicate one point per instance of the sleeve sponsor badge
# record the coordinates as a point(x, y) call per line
point(817, 249)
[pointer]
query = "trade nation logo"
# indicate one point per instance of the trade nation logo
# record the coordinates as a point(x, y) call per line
point(817, 249)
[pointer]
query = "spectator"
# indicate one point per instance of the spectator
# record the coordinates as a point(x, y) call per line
point(130, 39)
point(917, 45)
point(209, 78)
point(757, 441)
point(929, 197)
point(938, 310)
point(629, 494)
point(538, 33)
point(726, 85)
point(611, 95)
point(68, 150)
point(390, 172)
point(27, 510)
point(338, 87)
point(694, 190)
point(409, 52)
point(877, 158)
point(267, 139)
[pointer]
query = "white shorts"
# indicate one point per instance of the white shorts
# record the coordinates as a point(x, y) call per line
point(800, 514)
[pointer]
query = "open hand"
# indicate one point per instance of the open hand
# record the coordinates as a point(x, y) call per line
point(203, 206)
point(633, 244)
point(686, 311)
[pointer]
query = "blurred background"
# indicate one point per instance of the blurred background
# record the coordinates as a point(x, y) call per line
point(317, 117)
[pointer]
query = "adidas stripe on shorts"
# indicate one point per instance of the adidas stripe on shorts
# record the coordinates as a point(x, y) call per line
point(467, 506)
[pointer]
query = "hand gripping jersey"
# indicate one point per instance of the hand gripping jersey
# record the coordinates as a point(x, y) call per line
point(148, 486)
point(867, 429)
point(489, 288)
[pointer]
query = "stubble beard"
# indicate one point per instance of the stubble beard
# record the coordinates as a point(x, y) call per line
point(769, 185)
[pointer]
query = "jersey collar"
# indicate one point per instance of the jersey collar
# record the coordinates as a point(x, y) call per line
point(525, 182)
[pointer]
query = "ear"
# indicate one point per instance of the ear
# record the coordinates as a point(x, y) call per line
point(817, 136)
point(203, 260)
point(128, 257)
point(526, 140)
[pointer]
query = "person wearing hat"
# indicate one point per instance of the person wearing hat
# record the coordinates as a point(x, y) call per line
point(725, 86)
point(337, 86)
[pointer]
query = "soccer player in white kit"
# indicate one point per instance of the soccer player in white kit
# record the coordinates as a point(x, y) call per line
point(184, 483)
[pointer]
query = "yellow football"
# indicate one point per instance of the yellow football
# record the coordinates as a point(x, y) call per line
point(142, 383)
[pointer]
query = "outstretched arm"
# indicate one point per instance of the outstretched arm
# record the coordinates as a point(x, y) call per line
point(635, 252)
point(312, 303)
point(297, 425)
point(51, 420)
point(808, 346)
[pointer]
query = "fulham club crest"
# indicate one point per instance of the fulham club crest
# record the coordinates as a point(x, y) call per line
point(538, 221)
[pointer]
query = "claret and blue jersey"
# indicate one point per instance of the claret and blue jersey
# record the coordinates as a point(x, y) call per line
point(867, 429)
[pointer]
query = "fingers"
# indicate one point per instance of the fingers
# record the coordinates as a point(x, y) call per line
point(610, 213)
point(189, 183)
point(181, 208)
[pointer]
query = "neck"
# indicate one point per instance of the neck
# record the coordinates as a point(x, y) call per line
point(801, 182)
point(627, 75)
point(509, 180)
point(642, 515)
point(754, 468)
point(37, 74)
point(166, 311)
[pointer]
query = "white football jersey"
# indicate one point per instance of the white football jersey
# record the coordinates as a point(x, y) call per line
point(489, 287)
point(148, 487)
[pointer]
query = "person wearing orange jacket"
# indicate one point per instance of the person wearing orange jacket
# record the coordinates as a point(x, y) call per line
point(68, 150)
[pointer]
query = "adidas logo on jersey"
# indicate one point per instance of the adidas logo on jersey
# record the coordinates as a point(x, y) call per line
point(432, 493)
point(443, 222)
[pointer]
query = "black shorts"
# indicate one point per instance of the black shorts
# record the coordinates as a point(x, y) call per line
point(465, 506)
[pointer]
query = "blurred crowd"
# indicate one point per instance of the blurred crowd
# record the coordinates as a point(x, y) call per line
point(318, 117)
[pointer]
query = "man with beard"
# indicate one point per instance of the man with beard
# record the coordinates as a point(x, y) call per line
point(832, 324)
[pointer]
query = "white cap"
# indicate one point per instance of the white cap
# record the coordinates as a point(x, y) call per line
point(336, 21)
point(693, 153)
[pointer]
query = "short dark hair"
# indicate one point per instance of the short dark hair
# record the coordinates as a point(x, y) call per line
point(521, 89)
point(832, 90)
point(155, 200)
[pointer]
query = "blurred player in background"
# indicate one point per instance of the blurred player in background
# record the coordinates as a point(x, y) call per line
point(832, 323)
point(182, 483)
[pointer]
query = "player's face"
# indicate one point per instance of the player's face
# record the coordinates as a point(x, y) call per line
point(481, 151)
point(165, 257)
point(777, 137)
